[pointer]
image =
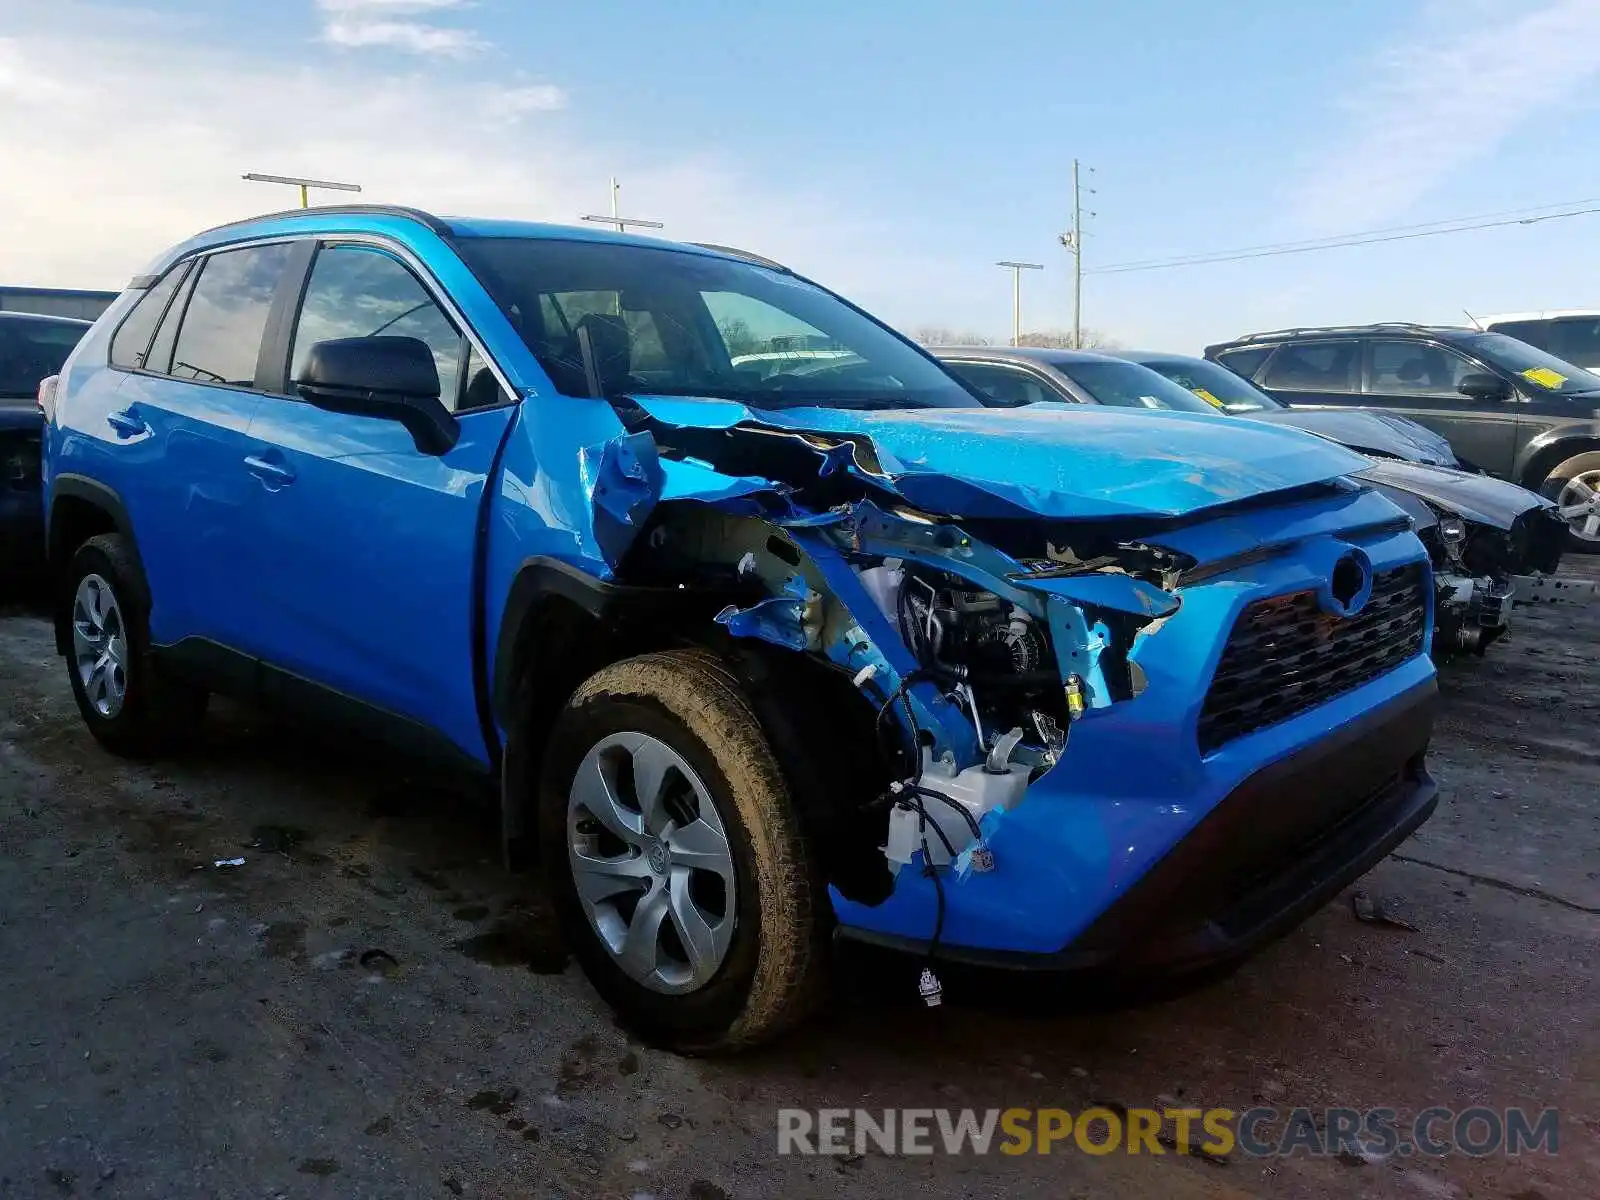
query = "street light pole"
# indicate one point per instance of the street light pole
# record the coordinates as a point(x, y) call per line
point(1016, 269)
point(304, 185)
point(616, 218)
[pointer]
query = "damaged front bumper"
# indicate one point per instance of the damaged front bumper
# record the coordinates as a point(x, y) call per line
point(1275, 848)
point(1162, 838)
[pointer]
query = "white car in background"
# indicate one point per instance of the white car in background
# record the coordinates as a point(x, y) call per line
point(1569, 333)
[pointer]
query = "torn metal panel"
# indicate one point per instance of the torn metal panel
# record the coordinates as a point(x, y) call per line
point(792, 620)
point(1116, 592)
point(871, 641)
point(623, 478)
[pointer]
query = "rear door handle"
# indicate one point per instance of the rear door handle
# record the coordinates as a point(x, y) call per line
point(269, 472)
point(127, 424)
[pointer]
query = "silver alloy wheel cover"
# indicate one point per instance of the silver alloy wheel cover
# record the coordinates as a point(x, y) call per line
point(1579, 504)
point(100, 645)
point(660, 858)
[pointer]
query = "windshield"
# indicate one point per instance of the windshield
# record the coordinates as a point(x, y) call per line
point(1128, 385)
point(1545, 371)
point(672, 323)
point(31, 350)
point(1214, 384)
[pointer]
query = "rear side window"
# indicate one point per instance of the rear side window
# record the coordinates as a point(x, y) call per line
point(133, 336)
point(1246, 361)
point(227, 314)
point(1314, 367)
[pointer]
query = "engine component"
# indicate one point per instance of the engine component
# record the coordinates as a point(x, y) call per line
point(991, 655)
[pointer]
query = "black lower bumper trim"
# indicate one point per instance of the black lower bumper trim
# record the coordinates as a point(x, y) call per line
point(1273, 851)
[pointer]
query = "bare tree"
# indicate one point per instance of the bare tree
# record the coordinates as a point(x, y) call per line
point(943, 335)
point(1061, 339)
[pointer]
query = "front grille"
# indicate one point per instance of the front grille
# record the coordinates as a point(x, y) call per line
point(1286, 655)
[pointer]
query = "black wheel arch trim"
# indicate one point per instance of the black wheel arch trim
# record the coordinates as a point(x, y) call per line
point(103, 497)
point(541, 578)
point(1583, 436)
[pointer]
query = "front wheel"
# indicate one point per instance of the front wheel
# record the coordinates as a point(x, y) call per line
point(1575, 488)
point(676, 858)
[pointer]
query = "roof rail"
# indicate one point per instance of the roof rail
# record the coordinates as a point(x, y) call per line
point(370, 210)
point(1297, 330)
point(759, 260)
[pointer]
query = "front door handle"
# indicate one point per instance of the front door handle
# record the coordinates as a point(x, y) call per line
point(127, 424)
point(270, 473)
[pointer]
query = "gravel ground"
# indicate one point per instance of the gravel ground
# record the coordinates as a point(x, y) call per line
point(370, 1006)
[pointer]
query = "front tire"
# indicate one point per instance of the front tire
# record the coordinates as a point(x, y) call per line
point(1575, 488)
point(128, 706)
point(676, 858)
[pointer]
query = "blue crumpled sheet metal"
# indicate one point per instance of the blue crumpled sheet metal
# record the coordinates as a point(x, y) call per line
point(1047, 460)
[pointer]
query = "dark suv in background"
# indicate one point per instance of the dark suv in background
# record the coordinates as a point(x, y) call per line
point(1507, 408)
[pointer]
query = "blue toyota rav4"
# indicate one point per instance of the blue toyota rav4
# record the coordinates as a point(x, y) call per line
point(768, 630)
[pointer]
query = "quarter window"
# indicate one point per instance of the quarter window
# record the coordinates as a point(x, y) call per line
point(1403, 368)
point(220, 339)
point(1314, 367)
point(160, 356)
point(1245, 362)
point(356, 291)
point(132, 339)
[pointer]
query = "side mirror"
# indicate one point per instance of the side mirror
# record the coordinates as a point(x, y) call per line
point(391, 378)
point(1483, 386)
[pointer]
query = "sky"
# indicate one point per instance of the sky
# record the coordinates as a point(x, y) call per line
point(893, 151)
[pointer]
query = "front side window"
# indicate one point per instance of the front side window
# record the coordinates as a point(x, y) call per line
point(356, 291)
point(677, 323)
point(1003, 387)
point(1314, 367)
point(1401, 368)
point(132, 338)
point(220, 338)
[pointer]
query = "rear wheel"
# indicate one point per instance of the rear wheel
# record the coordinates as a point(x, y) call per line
point(129, 707)
point(1575, 488)
point(676, 859)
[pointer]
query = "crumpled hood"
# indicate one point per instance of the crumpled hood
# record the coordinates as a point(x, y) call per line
point(1056, 461)
point(1371, 432)
point(1480, 498)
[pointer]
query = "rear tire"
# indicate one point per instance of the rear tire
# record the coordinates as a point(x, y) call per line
point(130, 708)
point(697, 958)
point(1575, 487)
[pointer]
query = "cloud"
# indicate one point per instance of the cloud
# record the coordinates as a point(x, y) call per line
point(1456, 85)
point(376, 23)
point(144, 144)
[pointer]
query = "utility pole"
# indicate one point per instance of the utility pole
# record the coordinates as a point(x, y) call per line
point(616, 218)
point(1016, 269)
point(1073, 241)
point(304, 185)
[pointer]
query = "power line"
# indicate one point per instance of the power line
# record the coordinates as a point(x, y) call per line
point(1399, 233)
point(1316, 243)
